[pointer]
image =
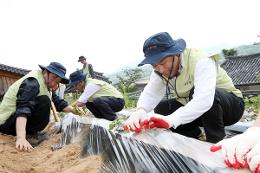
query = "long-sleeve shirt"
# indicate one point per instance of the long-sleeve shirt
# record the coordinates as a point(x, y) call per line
point(89, 90)
point(27, 94)
point(203, 97)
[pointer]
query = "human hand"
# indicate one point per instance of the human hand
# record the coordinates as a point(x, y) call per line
point(133, 122)
point(253, 158)
point(77, 110)
point(235, 149)
point(157, 120)
point(23, 145)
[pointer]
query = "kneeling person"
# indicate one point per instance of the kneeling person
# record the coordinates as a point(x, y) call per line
point(25, 109)
point(101, 98)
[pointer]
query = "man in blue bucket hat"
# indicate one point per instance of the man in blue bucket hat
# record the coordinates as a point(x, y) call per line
point(203, 93)
point(25, 109)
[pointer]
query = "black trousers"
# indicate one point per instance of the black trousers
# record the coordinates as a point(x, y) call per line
point(105, 107)
point(36, 122)
point(226, 110)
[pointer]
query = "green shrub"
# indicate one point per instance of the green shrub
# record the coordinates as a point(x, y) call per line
point(129, 103)
point(72, 97)
point(229, 52)
point(253, 102)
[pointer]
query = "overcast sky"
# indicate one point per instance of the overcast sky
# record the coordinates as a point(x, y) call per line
point(111, 33)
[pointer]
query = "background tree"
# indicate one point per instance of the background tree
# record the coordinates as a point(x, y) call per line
point(229, 52)
point(128, 78)
point(126, 84)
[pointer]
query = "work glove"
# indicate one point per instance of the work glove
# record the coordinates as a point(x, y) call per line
point(157, 120)
point(133, 122)
point(253, 158)
point(77, 110)
point(235, 149)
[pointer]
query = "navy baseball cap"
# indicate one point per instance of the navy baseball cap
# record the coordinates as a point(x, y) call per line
point(81, 58)
point(159, 46)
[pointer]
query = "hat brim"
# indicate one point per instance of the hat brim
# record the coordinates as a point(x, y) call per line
point(81, 59)
point(72, 84)
point(177, 49)
point(64, 80)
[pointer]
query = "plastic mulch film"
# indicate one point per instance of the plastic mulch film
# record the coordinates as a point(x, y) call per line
point(151, 151)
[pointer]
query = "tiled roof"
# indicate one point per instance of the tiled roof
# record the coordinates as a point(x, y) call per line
point(15, 70)
point(98, 75)
point(243, 69)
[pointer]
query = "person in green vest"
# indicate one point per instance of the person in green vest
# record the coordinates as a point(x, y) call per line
point(25, 108)
point(199, 93)
point(87, 68)
point(100, 97)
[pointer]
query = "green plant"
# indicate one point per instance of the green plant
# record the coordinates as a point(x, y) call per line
point(126, 85)
point(258, 77)
point(117, 124)
point(253, 102)
point(127, 80)
point(71, 97)
point(129, 103)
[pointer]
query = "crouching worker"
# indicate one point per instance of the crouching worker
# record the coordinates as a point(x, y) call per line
point(25, 109)
point(204, 93)
point(101, 98)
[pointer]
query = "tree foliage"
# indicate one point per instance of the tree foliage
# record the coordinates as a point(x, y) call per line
point(127, 79)
point(229, 52)
point(126, 84)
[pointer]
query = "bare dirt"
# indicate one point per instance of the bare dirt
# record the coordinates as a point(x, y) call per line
point(43, 160)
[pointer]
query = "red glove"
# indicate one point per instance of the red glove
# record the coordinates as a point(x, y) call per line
point(253, 158)
point(133, 122)
point(235, 149)
point(157, 120)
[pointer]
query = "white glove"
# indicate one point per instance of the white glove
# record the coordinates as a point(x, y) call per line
point(235, 149)
point(133, 122)
point(253, 158)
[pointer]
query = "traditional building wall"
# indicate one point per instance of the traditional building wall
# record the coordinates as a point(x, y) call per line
point(8, 75)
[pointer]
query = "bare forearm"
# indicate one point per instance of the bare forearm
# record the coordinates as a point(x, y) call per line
point(20, 127)
point(80, 104)
point(67, 109)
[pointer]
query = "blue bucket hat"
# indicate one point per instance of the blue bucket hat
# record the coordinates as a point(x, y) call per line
point(76, 77)
point(58, 69)
point(159, 46)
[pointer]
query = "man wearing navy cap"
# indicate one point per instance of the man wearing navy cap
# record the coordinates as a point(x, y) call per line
point(204, 94)
point(87, 68)
point(25, 108)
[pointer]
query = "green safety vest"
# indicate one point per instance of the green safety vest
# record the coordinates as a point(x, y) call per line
point(8, 105)
point(85, 70)
point(185, 81)
point(105, 90)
